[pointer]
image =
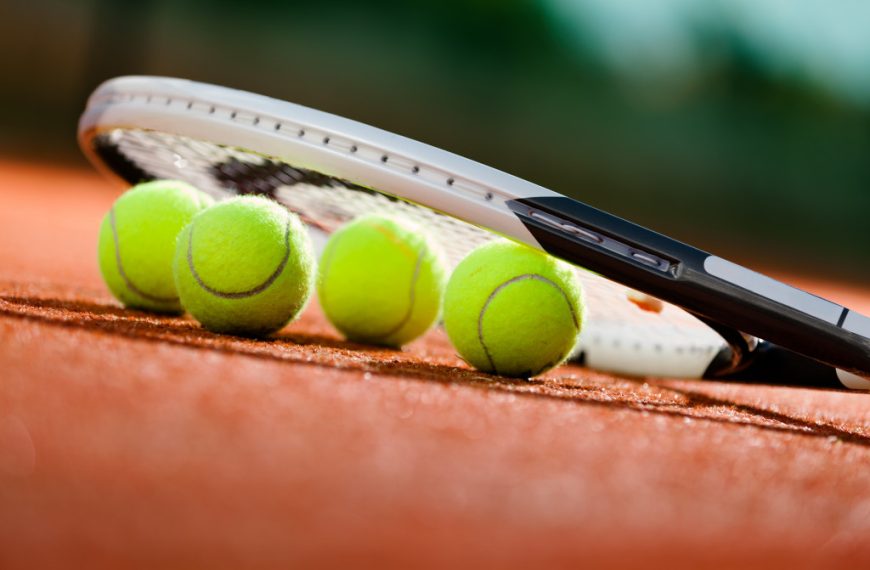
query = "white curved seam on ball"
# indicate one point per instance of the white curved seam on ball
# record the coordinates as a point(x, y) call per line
point(495, 291)
point(127, 281)
point(329, 253)
point(411, 299)
point(250, 292)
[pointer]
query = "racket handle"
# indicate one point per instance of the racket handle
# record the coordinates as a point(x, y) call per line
point(708, 286)
point(772, 364)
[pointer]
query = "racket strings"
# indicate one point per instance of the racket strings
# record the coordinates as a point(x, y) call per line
point(322, 201)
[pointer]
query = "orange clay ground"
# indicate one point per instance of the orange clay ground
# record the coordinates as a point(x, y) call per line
point(129, 440)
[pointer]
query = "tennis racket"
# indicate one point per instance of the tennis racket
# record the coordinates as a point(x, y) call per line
point(329, 170)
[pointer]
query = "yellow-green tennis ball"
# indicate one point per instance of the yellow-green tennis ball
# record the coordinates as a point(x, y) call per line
point(137, 242)
point(244, 266)
point(381, 281)
point(512, 310)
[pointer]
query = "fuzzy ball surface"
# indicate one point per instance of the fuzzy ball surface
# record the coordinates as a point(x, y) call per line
point(137, 242)
point(381, 281)
point(244, 266)
point(512, 310)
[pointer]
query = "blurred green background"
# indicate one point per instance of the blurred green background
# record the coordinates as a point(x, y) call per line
point(741, 126)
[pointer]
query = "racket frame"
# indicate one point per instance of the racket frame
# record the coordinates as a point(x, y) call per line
point(708, 286)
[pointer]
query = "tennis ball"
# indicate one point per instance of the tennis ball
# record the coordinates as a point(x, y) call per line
point(137, 242)
point(244, 266)
point(512, 310)
point(381, 281)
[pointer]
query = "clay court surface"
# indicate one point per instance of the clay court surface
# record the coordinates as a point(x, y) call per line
point(129, 440)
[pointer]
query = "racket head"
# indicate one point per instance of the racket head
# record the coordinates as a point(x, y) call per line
point(329, 170)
